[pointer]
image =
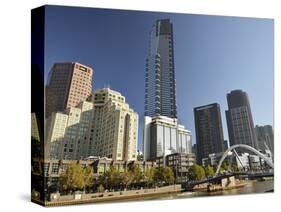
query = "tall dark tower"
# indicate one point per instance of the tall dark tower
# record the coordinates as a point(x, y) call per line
point(239, 119)
point(209, 133)
point(160, 88)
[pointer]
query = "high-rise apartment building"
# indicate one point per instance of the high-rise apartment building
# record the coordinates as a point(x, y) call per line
point(68, 84)
point(209, 133)
point(164, 136)
point(239, 119)
point(160, 83)
point(265, 137)
point(67, 132)
point(114, 130)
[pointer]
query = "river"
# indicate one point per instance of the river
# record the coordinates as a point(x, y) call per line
point(252, 187)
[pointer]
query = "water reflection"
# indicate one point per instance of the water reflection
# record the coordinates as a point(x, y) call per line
point(250, 188)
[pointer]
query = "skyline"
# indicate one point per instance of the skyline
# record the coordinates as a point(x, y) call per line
point(101, 49)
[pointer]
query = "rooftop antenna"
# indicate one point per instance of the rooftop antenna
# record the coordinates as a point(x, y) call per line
point(106, 85)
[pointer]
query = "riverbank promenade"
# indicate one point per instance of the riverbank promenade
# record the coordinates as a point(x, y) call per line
point(57, 200)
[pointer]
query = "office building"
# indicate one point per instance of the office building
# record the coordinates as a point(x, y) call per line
point(180, 164)
point(194, 149)
point(114, 128)
point(212, 159)
point(160, 83)
point(225, 145)
point(239, 119)
point(265, 137)
point(67, 132)
point(209, 133)
point(164, 136)
point(68, 84)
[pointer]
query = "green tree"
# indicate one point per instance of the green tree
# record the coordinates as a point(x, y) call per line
point(196, 172)
point(111, 178)
point(168, 175)
point(127, 178)
point(76, 178)
point(234, 168)
point(88, 177)
point(209, 171)
point(149, 175)
point(137, 174)
point(158, 175)
point(164, 174)
point(224, 165)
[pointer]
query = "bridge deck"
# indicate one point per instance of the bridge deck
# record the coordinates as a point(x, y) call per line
point(191, 184)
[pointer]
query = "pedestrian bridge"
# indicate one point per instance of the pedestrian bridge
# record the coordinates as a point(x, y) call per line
point(216, 179)
point(247, 147)
point(188, 185)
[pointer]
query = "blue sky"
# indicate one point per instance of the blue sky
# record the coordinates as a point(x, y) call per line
point(213, 55)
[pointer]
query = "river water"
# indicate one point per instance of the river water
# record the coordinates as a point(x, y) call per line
point(252, 187)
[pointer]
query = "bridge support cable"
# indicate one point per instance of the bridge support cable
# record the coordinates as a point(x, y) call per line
point(237, 156)
point(269, 150)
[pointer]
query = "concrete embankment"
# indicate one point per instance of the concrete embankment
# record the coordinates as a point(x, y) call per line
point(112, 196)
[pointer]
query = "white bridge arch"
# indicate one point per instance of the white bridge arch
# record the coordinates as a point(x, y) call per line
point(244, 146)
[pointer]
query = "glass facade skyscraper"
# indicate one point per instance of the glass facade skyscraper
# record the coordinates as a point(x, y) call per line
point(239, 118)
point(160, 91)
point(209, 133)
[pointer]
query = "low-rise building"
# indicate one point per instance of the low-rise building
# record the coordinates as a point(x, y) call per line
point(252, 162)
point(180, 164)
point(163, 136)
point(52, 169)
point(212, 159)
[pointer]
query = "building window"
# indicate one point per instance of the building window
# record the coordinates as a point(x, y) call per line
point(55, 168)
point(46, 169)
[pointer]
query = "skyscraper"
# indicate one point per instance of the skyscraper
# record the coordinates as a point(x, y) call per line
point(68, 84)
point(239, 119)
point(265, 137)
point(225, 145)
point(163, 134)
point(209, 133)
point(160, 91)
